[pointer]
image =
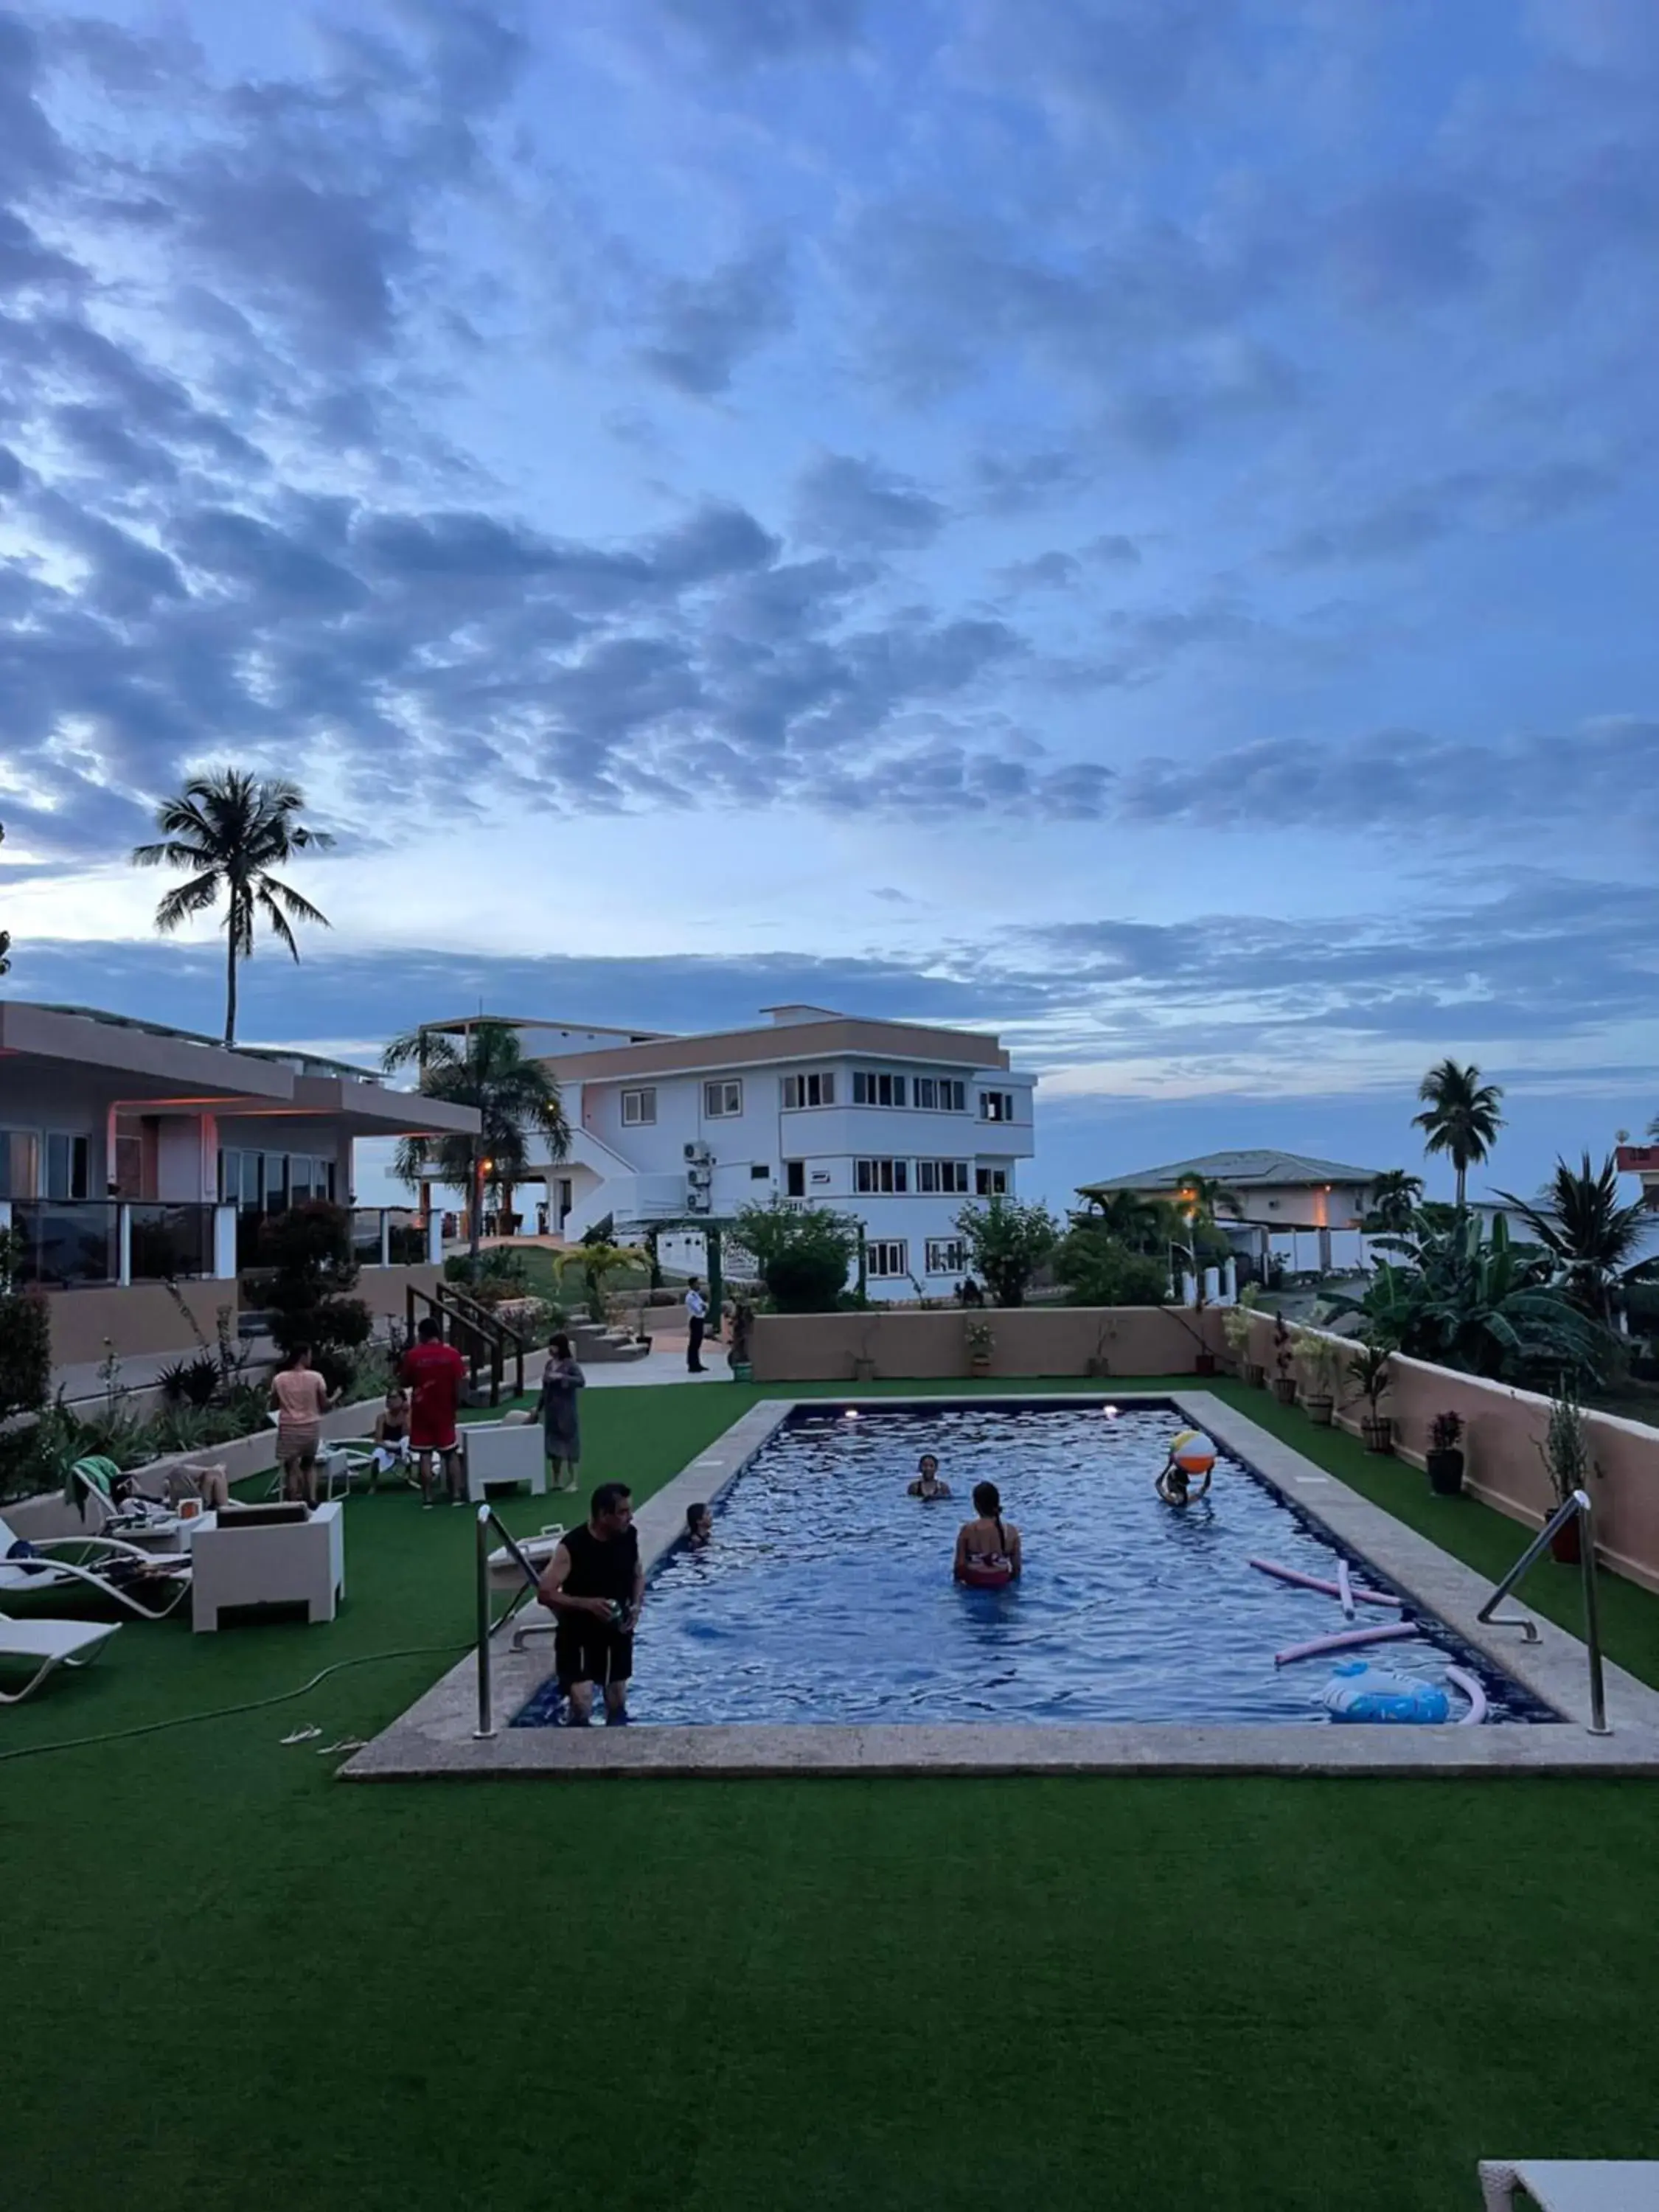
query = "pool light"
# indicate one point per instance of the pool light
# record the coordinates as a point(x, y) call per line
point(851, 1414)
point(1110, 1413)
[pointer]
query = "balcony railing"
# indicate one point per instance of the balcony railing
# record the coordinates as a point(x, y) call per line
point(71, 1242)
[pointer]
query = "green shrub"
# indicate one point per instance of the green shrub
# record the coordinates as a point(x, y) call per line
point(803, 1256)
point(1097, 1270)
point(194, 1382)
point(309, 1252)
point(1008, 1241)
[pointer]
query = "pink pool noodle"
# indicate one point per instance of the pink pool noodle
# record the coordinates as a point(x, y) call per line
point(1473, 1691)
point(1345, 1590)
point(1313, 1582)
point(1345, 1641)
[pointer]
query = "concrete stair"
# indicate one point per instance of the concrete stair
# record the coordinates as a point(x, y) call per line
point(594, 1344)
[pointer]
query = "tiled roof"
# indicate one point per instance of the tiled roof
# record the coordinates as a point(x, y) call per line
point(1241, 1172)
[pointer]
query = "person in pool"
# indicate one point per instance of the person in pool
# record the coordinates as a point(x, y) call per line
point(1174, 1485)
point(927, 1484)
point(988, 1546)
point(699, 1528)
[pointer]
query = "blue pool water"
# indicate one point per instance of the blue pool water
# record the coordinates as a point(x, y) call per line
point(827, 1593)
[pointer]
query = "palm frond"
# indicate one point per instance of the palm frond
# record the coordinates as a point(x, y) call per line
point(186, 900)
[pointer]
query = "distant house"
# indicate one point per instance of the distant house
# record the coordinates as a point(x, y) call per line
point(1264, 1194)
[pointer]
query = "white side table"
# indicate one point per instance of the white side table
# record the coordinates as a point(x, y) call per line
point(298, 1563)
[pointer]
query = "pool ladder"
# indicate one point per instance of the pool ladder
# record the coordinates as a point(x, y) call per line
point(1576, 1506)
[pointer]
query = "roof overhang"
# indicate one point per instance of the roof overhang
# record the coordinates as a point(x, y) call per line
point(368, 1110)
point(134, 1067)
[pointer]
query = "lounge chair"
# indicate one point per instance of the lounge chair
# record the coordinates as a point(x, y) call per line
point(104, 1564)
point(47, 1644)
point(1576, 2184)
point(89, 1487)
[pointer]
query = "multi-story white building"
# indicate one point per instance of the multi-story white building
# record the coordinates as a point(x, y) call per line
point(896, 1123)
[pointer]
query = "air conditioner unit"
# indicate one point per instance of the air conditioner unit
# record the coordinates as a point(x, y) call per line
point(696, 1149)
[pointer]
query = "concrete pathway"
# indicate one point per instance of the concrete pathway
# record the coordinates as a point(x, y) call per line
point(664, 1363)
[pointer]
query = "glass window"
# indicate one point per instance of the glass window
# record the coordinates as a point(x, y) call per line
point(996, 1105)
point(722, 1100)
point(886, 1256)
point(991, 1183)
point(759, 1172)
point(68, 1159)
point(814, 1089)
point(20, 1164)
point(946, 1255)
point(273, 1189)
point(639, 1108)
point(794, 1178)
point(941, 1176)
point(300, 1187)
point(881, 1176)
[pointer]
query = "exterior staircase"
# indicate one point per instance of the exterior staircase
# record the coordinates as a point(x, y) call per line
point(594, 1343)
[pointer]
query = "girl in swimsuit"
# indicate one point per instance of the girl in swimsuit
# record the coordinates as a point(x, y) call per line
point(927, 1484)
point(988, 1549)
point(391, 1436)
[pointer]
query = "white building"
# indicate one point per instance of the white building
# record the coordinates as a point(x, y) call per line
point(896, 1123)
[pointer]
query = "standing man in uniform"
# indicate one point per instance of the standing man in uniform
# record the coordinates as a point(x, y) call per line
point(697, 1311)
point(594, 1587)
point(436, 1374)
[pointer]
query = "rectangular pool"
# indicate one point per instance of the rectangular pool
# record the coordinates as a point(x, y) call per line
point(826, 1595)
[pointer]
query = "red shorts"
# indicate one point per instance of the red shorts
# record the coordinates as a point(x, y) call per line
point(422, 1438)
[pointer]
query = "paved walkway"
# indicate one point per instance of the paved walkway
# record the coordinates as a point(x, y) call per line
point(664, 1363)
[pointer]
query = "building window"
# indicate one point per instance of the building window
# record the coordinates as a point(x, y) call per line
point(794, 1178)
point(638, 1107)
point(991, 1183)
point(996, 1105)
point(19, 1163)
point(941, 1094)
point(946, 1255)
point(814, 1089)
point(871, 1177)
point(68, 1165)
point(886, 1256)
point(720, 1101)
point(945, 1176)
point(759, 1172)
point(870, 1089)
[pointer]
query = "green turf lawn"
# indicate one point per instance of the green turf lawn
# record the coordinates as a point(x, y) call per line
point(233, 1982)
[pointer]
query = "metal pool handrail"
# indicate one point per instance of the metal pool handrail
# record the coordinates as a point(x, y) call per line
point(1578, 1504)
point(487, 1520)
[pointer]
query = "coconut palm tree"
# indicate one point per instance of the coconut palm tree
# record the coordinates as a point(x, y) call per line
point(1202, 1197)
point(231, 829)
point(1595, 1243)
point(1395, 1196)
point(595, 1263)
point(515, 1098)
point(1460, 1117)
point(1138, 1224)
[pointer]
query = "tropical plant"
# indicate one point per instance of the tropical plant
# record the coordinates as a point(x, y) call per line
point(1445, 1432)
point(1098, 1269)
point(192, 1382)
point(595, 1263)
point(1594, 1241)
point(1321, 1360)
point(1369, 1370)
point(1203, 1198)
point(514, 1098)
point(804, 1256)
point(1565, 1450)
point(1008, 1241)
point(1460, 1117)
point(1481, 1303)
point(1140, 1225)
point(309, 1249)
point(1396, 1197)
point(980, 1339)
point(230, 829)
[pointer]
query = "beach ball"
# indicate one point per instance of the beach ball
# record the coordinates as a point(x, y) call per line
point(1193, 1452)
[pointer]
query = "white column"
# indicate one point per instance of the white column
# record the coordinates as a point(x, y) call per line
point(435, 1236)
point(1188, 1289)
point(1212, 1285)
point(224, 1242)
point(1230, 1284)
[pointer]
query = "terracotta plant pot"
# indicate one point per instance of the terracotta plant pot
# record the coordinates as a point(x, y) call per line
point(1284, 1390)
point(980, 1364)
point(1204, 1363)
point(1445, 1470)
point(1319, 1411)
point(1567, 1545)
point(1377, 1430)
point(1255, 1377)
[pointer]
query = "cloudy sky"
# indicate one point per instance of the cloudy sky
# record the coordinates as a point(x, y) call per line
point(1126, 521)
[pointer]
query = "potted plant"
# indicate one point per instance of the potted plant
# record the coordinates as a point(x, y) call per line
point(1445, 1456)
point(980, 1342)
point(1368, 1367)
point(1319, 1361)
point(1236, 1327)
point(1283, 1353)
point(1565, 1453)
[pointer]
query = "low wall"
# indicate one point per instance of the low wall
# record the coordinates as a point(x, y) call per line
point(1503, 1429)
point(141, 1321)
point(382, 1289)
point(1026, 1340)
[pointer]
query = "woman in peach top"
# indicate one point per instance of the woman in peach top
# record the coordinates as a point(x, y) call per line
point(300, 1398)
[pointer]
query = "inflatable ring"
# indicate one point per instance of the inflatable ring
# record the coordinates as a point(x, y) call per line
point(981, 1574)
point(1193, 1452)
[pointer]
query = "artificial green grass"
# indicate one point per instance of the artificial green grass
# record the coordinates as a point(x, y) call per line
point(234, 1982)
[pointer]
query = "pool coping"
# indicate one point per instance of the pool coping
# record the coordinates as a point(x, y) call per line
point(435, 1737)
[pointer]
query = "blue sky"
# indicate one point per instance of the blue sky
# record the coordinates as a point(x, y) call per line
point(1123, 520)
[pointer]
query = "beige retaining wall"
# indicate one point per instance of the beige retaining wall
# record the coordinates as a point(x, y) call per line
point(1026, 1340)
point(1503, 1429)
point(141, 1320)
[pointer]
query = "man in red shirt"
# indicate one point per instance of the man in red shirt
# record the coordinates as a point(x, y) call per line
point(434, 1372)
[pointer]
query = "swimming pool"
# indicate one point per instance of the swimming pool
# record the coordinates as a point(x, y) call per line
point(826, 1595)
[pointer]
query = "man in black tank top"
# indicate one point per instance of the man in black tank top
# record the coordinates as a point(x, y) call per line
point(594, 1587)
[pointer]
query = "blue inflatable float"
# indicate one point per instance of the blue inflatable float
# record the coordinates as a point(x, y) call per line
point(1359, 1691)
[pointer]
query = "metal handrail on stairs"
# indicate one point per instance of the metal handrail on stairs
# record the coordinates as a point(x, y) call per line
point(488, 1518)
point(1576, 1506)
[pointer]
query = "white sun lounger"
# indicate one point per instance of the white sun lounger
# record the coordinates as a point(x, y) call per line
point(48, 1644)
point(1570, 2184)
point(63, 1563)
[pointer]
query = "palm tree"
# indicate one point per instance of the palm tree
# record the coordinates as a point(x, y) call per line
point(595, 1262)
point(231, 829)
point(1595, 1243)
point(1129, 1219)
point(1460, 1116)
point(1395, 1196)
point(515, 1098)
point(1203, 1196)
